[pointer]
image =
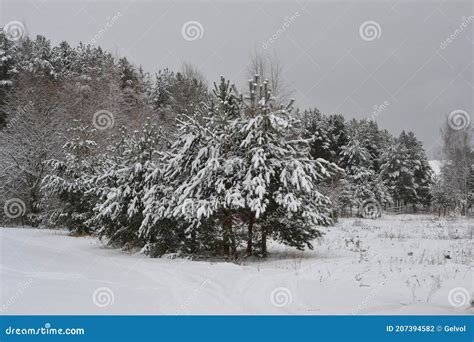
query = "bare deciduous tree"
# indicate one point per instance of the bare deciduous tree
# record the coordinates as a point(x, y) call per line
point(269, 67)
point(458, 154)
point(30, 138)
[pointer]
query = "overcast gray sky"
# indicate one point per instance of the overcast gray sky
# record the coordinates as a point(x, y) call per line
point(413, 61)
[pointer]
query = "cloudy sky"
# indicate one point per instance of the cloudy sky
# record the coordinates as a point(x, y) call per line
point(406, 64)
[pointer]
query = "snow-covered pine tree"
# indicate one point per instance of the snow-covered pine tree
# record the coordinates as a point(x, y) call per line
point(406, 170)
point(162, 232)
point(317, 128)
point(339, 135)
point(189, 91)
point(224, 113)
point(362, 184)
point(371, 138)
point(441, 199)
point(280, 183)
point(120, 186)
point(359, 174)
point(423, 174)
point(161, 200)
point(202, 169)
point(327, 134)
point(7, 72)
point(398, 172)
point(241, 162)
point(470, 196)
point(63, 57)
point(134, 100)
point(66, 186)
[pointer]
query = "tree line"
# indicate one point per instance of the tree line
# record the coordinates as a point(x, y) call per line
point(168, 164)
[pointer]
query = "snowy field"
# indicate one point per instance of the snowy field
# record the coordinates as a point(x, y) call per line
point(393, 265)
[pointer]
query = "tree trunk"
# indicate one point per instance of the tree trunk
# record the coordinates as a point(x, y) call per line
point(264, 242)
point(233, 245)
point(193, 241)
point(229, 244)
point(226, 227)
point(250, 235)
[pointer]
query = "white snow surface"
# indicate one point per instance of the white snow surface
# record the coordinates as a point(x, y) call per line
point(392, 265)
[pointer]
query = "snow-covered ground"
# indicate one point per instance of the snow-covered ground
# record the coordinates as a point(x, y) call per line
point(393, 265)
